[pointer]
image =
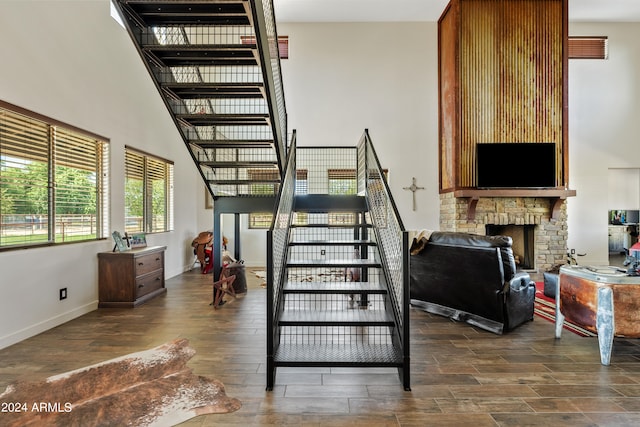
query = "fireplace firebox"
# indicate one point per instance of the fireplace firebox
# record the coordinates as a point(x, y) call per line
point(523, 237)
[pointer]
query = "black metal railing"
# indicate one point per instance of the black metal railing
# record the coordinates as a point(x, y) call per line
point(267, 38)
point(391, 236)
point(277, 239)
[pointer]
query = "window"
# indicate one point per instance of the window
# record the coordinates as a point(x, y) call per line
point(302, 182)
point(342, 181)
point(260, 220)
point(283, 44)
point(267, 187)
point(263, 219)
point(266, 182)
point(148, 193)
point(584, 47)
point(53, 181)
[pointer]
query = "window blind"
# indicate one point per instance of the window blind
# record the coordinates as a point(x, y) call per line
point(148, 193)
point(583, 47)
point(53, 179)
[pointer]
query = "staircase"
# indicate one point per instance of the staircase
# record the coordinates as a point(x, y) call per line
point(212, 65)
point(337, 273)
point(337, 278)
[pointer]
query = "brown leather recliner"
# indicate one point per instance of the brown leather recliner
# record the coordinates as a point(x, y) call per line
point(471, 278)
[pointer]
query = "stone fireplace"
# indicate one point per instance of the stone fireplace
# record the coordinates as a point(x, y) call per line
point(503, 80)
point(545, 218)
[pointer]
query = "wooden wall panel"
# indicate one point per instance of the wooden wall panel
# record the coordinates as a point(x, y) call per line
point(510, 75)
point(448, 94)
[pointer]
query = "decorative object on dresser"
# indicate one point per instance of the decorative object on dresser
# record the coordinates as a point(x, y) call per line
point(120, 243)
point(137, 240)
point(131, 278)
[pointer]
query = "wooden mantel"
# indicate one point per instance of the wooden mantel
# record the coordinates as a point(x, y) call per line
point(557, 196)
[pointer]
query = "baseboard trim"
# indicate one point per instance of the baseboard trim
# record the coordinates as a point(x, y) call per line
point(45, 325)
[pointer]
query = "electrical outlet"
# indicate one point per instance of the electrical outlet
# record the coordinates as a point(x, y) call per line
point(573, 251)
point(63, 293)
point(323, 252)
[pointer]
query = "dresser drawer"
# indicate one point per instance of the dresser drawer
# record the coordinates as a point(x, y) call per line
point(149, 283)
point(148, 263)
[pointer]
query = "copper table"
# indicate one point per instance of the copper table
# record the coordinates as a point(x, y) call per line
point(603, 300)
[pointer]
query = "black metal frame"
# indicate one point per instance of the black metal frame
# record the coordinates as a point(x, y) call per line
point(283, 208)
point(401, 302)
point(368, 168)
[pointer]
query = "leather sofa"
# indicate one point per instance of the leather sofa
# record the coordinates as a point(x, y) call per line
point(470, 278)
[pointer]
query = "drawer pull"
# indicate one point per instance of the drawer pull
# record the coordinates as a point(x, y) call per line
point(141, 263)
point(141, 286)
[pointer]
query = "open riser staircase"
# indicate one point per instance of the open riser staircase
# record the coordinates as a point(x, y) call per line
point(216, 66)
point(337, 281)
point(337, 270)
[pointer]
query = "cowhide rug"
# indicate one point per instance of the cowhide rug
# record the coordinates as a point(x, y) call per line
point(148, 388)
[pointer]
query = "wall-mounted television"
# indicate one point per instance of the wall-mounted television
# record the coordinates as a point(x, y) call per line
point(516, 165)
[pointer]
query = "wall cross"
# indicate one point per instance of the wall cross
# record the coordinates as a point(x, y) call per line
point(413, 188)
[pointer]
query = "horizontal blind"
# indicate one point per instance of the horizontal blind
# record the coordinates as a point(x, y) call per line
point(76, 193)
point(74, 150)
point(54, 181)
point(24, 179)
point(133, 165)
point(583, 47)
point(260, 220)
point(134, 191)
point(283, 44)
point(341, 173)
point(148, 193)
point(156, 189)
point(23, 138)
point(267, 175)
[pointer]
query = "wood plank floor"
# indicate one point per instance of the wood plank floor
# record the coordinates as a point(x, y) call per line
point(460, 375)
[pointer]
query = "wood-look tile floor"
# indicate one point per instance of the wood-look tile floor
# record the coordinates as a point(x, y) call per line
point(460, 375)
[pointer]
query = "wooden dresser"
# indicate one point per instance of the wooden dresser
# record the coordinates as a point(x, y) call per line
point(131, 278)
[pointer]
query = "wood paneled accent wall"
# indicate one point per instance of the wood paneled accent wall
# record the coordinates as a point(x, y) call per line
point(502, 79)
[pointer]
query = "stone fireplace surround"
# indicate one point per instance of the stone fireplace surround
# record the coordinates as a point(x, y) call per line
point(547, 214)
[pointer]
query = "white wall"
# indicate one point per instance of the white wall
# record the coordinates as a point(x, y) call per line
point(71, 61)
point(604, 112)
point(623, 189)
point(343, 78)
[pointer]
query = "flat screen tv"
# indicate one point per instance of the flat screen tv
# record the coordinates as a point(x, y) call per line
point(516, 165)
